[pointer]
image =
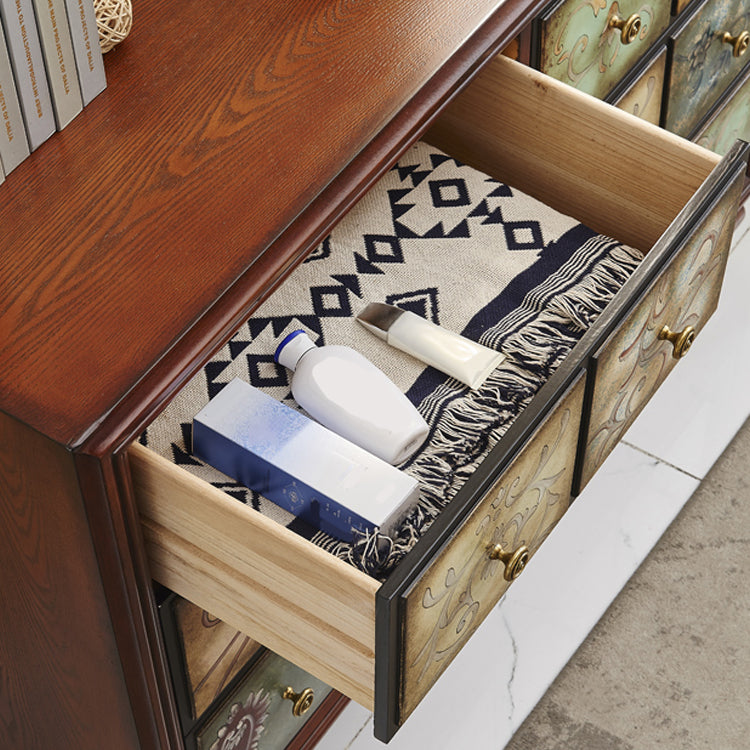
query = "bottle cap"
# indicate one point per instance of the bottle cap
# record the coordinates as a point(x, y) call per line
point(289, 351)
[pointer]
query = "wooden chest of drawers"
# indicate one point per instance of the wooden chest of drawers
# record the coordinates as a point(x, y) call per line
point(148, 230)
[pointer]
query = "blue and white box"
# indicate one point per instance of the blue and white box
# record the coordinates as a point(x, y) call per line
point(314, 473)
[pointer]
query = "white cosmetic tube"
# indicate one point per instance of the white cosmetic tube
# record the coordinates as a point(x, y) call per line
point(449, 352)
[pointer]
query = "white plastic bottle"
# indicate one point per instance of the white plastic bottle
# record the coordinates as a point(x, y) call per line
point(345, 392)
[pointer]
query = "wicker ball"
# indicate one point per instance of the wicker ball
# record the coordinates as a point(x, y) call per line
point(114, 18)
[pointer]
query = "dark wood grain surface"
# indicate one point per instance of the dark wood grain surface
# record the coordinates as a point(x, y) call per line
point(220, 125)
point(61, 683)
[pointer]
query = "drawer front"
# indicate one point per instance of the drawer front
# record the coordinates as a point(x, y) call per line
point(580, 43)
point(643, 98)
point(266, 710)
point(732, 121)
point(636, 358)
point(205, 655)
point(708, 52)
point(462, 584)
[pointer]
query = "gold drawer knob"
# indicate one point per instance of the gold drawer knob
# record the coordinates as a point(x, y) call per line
point(514, 562)
point(739, 43)
point(302, 701)
point(681, 340)
point(629, 27)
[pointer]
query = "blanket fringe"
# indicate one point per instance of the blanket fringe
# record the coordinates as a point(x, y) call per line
point(467, 424)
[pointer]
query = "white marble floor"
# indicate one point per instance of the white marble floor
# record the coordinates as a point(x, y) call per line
point(509, 663)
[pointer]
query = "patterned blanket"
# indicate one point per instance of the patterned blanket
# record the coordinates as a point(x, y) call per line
point(463, 250)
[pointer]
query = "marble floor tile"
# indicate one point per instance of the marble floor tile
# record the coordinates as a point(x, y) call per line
point(581, 568)
point(351, 722)
point(668, 665)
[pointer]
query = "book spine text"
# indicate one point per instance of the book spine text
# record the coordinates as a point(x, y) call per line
point(88, 53)
point(26, 60)
point(57, 48)
point(14, 147)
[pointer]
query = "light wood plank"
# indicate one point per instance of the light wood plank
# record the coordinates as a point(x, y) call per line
point(616, 173)
point(258, 576)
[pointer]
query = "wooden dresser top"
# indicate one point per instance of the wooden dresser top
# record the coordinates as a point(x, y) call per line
point(230, 137)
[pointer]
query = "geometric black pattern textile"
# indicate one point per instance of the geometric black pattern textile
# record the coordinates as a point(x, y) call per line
point(459, 248)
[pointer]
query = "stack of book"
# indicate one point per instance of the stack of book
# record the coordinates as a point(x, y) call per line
point(50, 68)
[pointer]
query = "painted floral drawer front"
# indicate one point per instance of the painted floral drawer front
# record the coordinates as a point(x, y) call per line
point(637, 357)
point(450, 600)
point(707, 54)
point(730, 123)
point(643, 99)
point(258, 716)
point(592, 44)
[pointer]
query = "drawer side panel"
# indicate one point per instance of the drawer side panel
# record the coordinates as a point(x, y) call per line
point(258, 576)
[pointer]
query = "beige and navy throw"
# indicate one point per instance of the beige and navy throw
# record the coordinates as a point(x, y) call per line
point(463, 250)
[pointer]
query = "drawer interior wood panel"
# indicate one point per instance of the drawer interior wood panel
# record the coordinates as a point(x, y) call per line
point(643, 98)
point(706, 57)
point(459, 588)
point(581, 44)
point(308, 606)
point(636, 359)
point(582, 157)
point(257, 575)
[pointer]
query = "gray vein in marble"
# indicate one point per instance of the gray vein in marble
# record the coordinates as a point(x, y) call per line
point(659, 460)
point(511, 678)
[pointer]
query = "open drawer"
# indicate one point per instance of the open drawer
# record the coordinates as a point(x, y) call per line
point(384, 644)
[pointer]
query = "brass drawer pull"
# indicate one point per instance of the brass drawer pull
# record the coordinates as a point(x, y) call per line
point(302, 701)
point(629, 27)
point(739, 43)
point(681, 340)
point(514, 562)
